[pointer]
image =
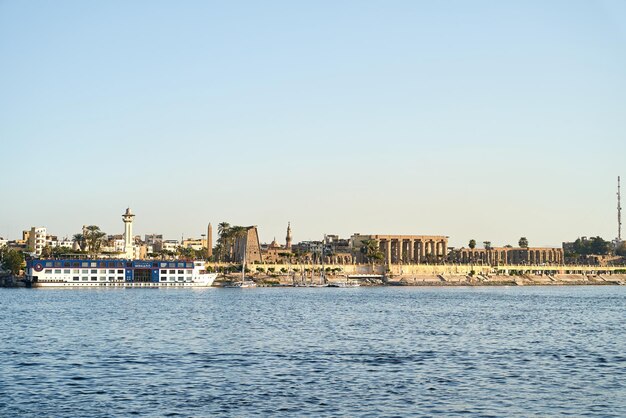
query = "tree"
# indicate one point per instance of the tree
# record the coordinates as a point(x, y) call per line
point(237, 234)
point(487, 245)
point(370, 251)
point(223, 246)
point(11, 260)
point(80, 240)
point(523, 242)
point(472, 244)
point(46, 252)
point(94, 238)
point(621, 249)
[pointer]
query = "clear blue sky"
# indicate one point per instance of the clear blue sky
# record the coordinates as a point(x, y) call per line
point(473, 119)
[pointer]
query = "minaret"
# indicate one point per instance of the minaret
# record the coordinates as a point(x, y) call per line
point(209, 241)
point(128, 233)
point(288, 238)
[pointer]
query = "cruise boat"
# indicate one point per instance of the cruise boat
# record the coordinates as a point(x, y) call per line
point(117, 273)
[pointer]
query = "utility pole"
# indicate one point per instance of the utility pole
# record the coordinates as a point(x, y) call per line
point(619, 211)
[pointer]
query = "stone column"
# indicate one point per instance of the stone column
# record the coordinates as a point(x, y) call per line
point(411, 254)
point(400, 243)
point(388, 250)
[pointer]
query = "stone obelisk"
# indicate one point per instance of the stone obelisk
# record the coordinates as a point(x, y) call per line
point(209, 241)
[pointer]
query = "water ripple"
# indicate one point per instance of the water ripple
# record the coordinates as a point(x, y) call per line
point(314, 352)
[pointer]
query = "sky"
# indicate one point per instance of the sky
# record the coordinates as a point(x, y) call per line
point(473, 119)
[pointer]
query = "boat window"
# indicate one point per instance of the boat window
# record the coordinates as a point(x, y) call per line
point(181, 272)
point(94, 279)
point(75, 278)
point(120, 272)
point(66, 271)
point(48, 271)
point(94, 264)
point(48, 263)
point(94, 271)
point(57, 271)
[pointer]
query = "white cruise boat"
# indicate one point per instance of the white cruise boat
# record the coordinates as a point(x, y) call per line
point(117, 273)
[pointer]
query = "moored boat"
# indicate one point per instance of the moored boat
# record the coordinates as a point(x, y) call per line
point(117, 273)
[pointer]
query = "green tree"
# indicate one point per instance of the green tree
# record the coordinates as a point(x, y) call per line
point(80, 240)
point(238, 233)
point(472, 243)
point(487, 245)
point(46, 252)
point(11, 260)
point(369, 249)
point(523, 242)
point(94, 238)
point(224, 241)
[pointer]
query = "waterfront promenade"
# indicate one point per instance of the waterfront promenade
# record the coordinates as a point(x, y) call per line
point(434, 274)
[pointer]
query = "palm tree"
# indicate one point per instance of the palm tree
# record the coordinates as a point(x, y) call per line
point(237, 236)
point(94, 238)
point(370, 251)
point(223, 230)
point(472, 244)
point(523, 242)
point(79, 239)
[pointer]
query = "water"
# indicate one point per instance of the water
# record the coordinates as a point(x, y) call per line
point(314, 352)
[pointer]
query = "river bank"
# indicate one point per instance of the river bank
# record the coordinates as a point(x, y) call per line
point(436, 280)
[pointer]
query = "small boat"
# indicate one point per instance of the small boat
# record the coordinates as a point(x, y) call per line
point(243, 284)
point(344, 284)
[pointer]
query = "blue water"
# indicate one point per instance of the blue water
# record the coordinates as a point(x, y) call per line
point(314, 352)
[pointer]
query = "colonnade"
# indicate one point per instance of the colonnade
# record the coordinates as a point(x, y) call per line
point(411, 249)
point(506, 255)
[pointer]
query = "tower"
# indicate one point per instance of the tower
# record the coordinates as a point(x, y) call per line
point(288, 238)
point(619, 211)
point(128, 233)
point(209, 241)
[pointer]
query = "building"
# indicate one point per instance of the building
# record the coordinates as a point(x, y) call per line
point(409, 249)
point(194, 243)
point(36, 239)
point(153, 239)
point(509, 255)
point(247, 246)
point(274, 252)
point(3, 242)
point(168, 245)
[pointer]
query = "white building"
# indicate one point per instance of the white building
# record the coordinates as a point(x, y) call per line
point(170, 245)
point(37, 239)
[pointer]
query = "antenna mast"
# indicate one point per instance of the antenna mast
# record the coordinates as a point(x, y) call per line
point(619, 211)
